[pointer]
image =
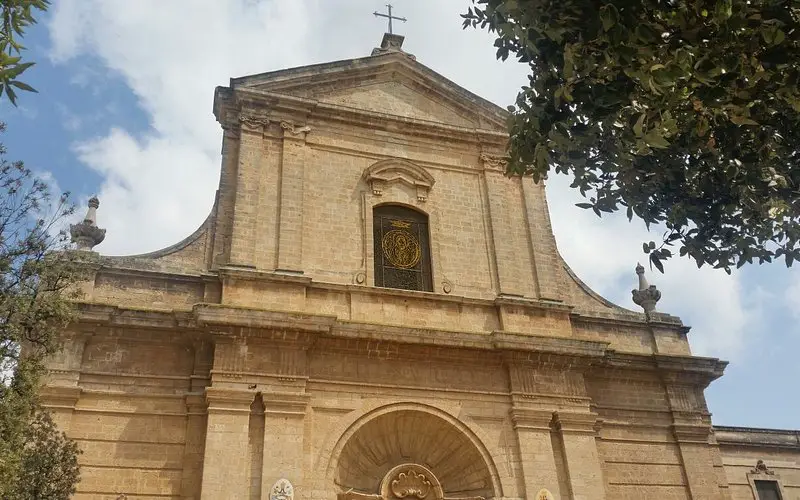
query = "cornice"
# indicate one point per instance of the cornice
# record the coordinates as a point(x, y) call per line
point(525, 343)
point(756, 437)
point(221, 318)
point(225, 321)
point(280, 106)
point(689, 369)
point(103, 315)
point(389, 64)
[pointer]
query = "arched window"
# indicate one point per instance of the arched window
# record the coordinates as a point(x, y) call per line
point(402, 249)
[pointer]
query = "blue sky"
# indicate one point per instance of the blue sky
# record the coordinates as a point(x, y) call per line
point(124, 111)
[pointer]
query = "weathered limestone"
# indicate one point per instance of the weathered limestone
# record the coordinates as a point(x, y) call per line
point(257, 360)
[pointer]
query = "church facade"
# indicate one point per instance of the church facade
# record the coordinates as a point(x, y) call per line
point(373, 310)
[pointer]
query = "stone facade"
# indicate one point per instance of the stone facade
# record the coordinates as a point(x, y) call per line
point(256, 359)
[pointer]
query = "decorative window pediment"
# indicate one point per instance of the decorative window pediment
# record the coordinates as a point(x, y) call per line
point(392, 170)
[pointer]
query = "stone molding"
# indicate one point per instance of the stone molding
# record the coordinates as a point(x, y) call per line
point(494, 163)
point(196, 404)
point(537, 419)
point(281, 104)
point(570, 422)
point(285, 404)
point(391, 170)
point(60, 397)
point(691, 433)
point(224, 400)
point(753, 437)
point(302, 329)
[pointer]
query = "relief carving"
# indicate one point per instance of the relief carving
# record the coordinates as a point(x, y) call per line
point(294, 129)
point(411, 481)
point(761, 468)
point(282, 490)
point(253, 121)
point(492, 162)
point(409, 484)
point(391, 170)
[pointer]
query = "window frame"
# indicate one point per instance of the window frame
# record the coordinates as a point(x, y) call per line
point(426, 247)
point(766, 475)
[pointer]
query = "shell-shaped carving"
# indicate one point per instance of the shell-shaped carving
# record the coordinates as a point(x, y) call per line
point(413, 437)
point(409, 484)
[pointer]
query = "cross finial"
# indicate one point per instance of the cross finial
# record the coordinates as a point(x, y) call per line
point(389, 16)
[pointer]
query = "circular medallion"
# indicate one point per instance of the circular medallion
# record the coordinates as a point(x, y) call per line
point(401, 248)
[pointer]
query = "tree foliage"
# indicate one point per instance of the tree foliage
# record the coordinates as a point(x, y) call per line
point(17, 15)
point(37, 279)
point(683, 113)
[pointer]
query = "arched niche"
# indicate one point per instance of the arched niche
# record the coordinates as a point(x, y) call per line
point(425, 448)
point(385, 172)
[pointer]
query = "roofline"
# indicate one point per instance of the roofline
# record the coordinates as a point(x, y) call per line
point(369, 60)
point(754, 436)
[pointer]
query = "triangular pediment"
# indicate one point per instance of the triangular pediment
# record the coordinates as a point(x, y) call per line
point(390, 84)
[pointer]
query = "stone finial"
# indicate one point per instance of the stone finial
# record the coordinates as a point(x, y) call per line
point(86, 235)
point(391, 42)
point(647, 295)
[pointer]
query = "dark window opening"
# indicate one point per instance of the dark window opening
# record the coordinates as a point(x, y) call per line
point(767, 490)
point(402, 248)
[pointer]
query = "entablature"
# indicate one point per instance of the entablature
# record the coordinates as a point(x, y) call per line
point(256, 109)
point(225, 322)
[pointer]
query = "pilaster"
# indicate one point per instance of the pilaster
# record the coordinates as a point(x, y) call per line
point(290, 209)
point(226, 462)
point(191, 476)
point(696, 455)
point(578, 435)
point(546, 263)
point(284, 429)
point(513, 270)
point(684, 382)
point(533, 427)
point(60, 401)
point(248, 188)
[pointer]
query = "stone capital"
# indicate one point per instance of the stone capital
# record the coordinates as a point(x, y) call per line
point(285, 404)
point(691, 433)
point(531, 418)
point(224, 400)
point(196, 404)
point(576, 422)
point(60, 397)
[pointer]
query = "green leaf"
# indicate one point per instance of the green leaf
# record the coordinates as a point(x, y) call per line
point(638, 126)
point(23, 86)
point(654, 139)
point(742, 120)
point(608, 16)
point(656, 261)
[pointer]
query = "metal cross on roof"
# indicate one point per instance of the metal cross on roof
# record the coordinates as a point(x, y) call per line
point(389, 16)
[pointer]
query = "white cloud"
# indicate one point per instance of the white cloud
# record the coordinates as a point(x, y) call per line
point(159, 187)
point(172, 55)
point(604, 253)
